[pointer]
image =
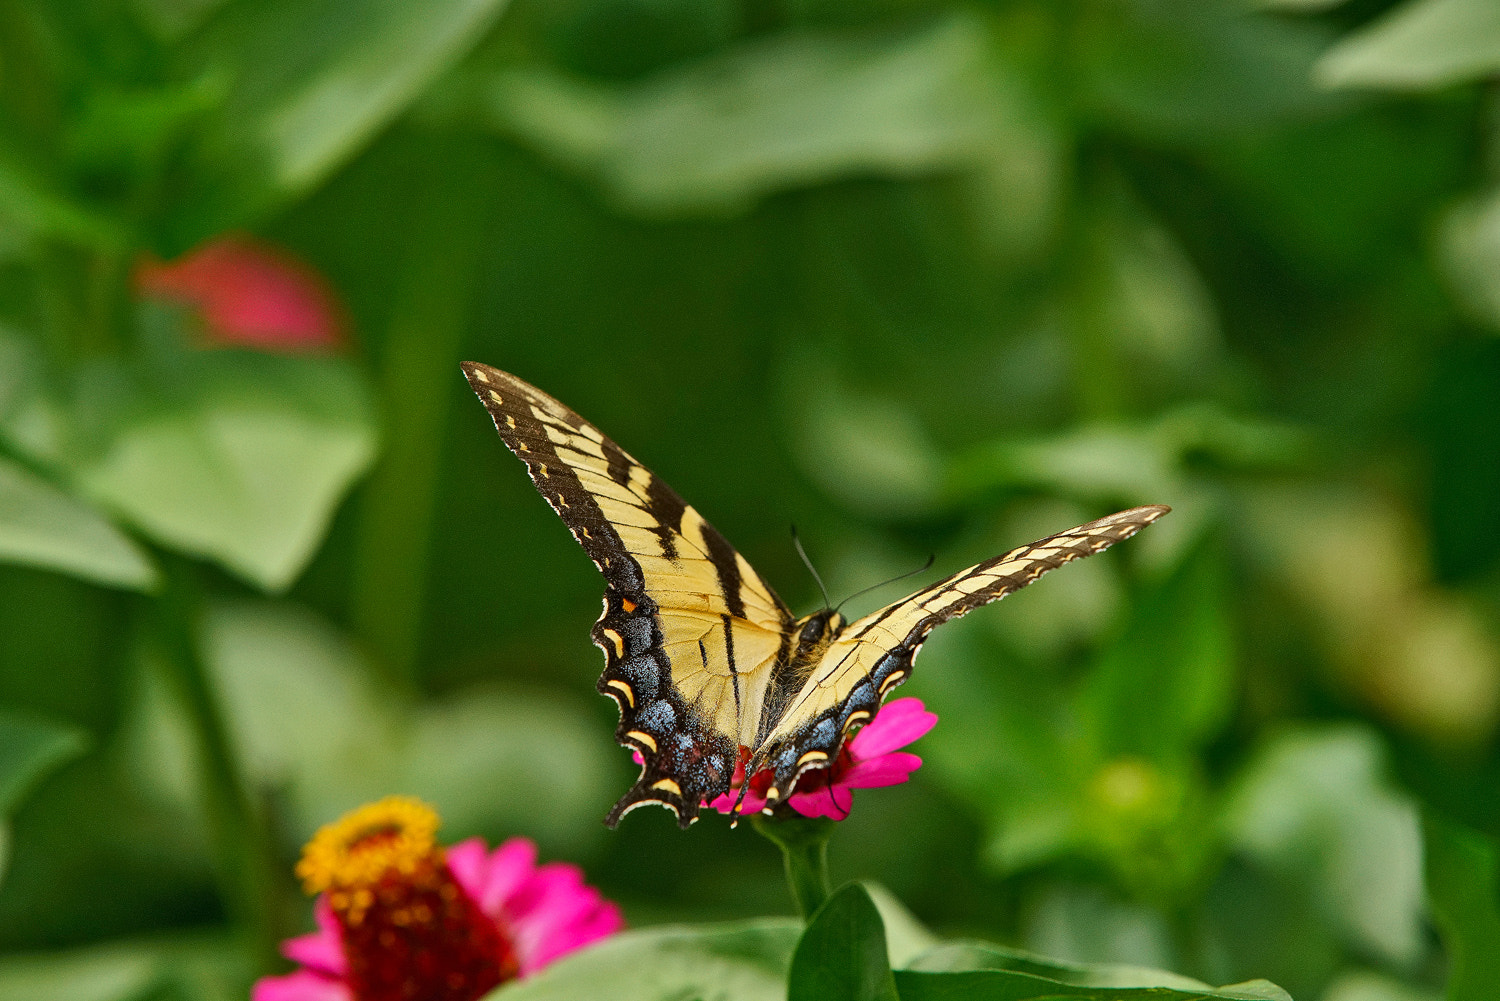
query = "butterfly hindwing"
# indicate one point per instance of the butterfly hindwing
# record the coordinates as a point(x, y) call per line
point(689, 630)
point(872, 656)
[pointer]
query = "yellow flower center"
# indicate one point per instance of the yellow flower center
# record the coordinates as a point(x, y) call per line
point(396, 836)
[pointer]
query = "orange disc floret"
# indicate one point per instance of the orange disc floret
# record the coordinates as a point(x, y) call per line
point(397, 835)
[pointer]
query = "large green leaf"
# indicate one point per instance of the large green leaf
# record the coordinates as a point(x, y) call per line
point(1463, 880)
point(782, 112)
point(42, 526)
point(245, 466)
point(310, 83)
point(1422, 43)
point(741, 961)
point(842, 954)
point(1099, 979)
point(997, 985)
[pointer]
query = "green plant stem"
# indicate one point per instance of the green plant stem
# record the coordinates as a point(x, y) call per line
point(804, 849)
point(244, 858)
point(419, 376)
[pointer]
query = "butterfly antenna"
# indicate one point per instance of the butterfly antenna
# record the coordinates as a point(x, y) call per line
point(810, 568)
point(910, 573)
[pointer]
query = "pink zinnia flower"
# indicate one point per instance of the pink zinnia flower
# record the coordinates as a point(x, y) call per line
point(870, 760)
point(400, 917)
point(249, 294)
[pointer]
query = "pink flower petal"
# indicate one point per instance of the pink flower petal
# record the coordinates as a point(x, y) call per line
point(303, 985)
point(833, 801)
point(544, 912)
point(897, 724)
point(510, 866)
point(886, 770)
point(603, 921)
point(323, 950)
point(469, 861)
point(752, 804)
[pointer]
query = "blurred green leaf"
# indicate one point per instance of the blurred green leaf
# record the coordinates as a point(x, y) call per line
point(842, 954)
point(1420, 44)
point(246, 467)
point(1463, 880)
point(746, 961)
point(311, 725)
point(29, 749)
point(311, 83)
point(32, 208)
point(972, 956)
point(111, 973)
point(42, 526)
point(998, 985)
point(777, 113)
point(1166, 685)
point(1469, 247)
point(1313, 807)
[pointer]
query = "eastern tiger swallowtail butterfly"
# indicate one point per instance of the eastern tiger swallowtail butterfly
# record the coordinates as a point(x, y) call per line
point(701, 655)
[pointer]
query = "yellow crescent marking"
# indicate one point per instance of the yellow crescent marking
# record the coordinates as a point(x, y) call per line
point(856, 717)
point(563, 501)
point(496, 397)
point(621, 686)
point(812, 756)
point(627, 604)
point(644, 738)
point(543, 467)
point(586, 534)
point(773, 793)
point(479, 374)
point(667, 785)
point(888, 682)
point(522, 446)
point(510, 422)
point(617, 640)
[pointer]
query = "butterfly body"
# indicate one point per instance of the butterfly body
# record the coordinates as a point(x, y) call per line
point(707, 664)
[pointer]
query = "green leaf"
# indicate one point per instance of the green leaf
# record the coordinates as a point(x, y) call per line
point(42, 526)
point(997, 985)
point(312, 83)
point(1313, 807)
point(1420, 44)
point(1105, 980)
point(745, 961)
point(842, 954)
point(1463, 881)
point(29, 749)
point(1166, 685)
point(111, 973)
point(784, 112)
point(247, 467)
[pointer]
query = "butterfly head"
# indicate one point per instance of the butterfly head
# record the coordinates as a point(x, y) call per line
point(816, 631)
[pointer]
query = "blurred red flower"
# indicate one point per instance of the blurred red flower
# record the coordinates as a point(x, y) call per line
point(249, 294)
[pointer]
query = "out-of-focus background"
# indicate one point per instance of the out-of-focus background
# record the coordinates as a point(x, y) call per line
point(919, 277)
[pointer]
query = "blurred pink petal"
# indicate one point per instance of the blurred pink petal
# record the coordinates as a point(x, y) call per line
point(302, 985)
point(250, 294)
point(511, 866)
point(323, 950)
point(469, 861)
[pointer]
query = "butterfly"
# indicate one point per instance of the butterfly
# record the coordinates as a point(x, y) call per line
point(701, 655)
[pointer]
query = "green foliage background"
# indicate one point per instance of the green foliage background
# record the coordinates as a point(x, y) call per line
point(915, 276)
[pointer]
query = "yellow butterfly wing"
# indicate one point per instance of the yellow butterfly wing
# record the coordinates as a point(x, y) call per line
point(689, 630)
point(873, 655)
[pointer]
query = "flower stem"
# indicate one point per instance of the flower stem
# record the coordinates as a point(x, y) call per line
point(244, 855)
point(804, 848)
